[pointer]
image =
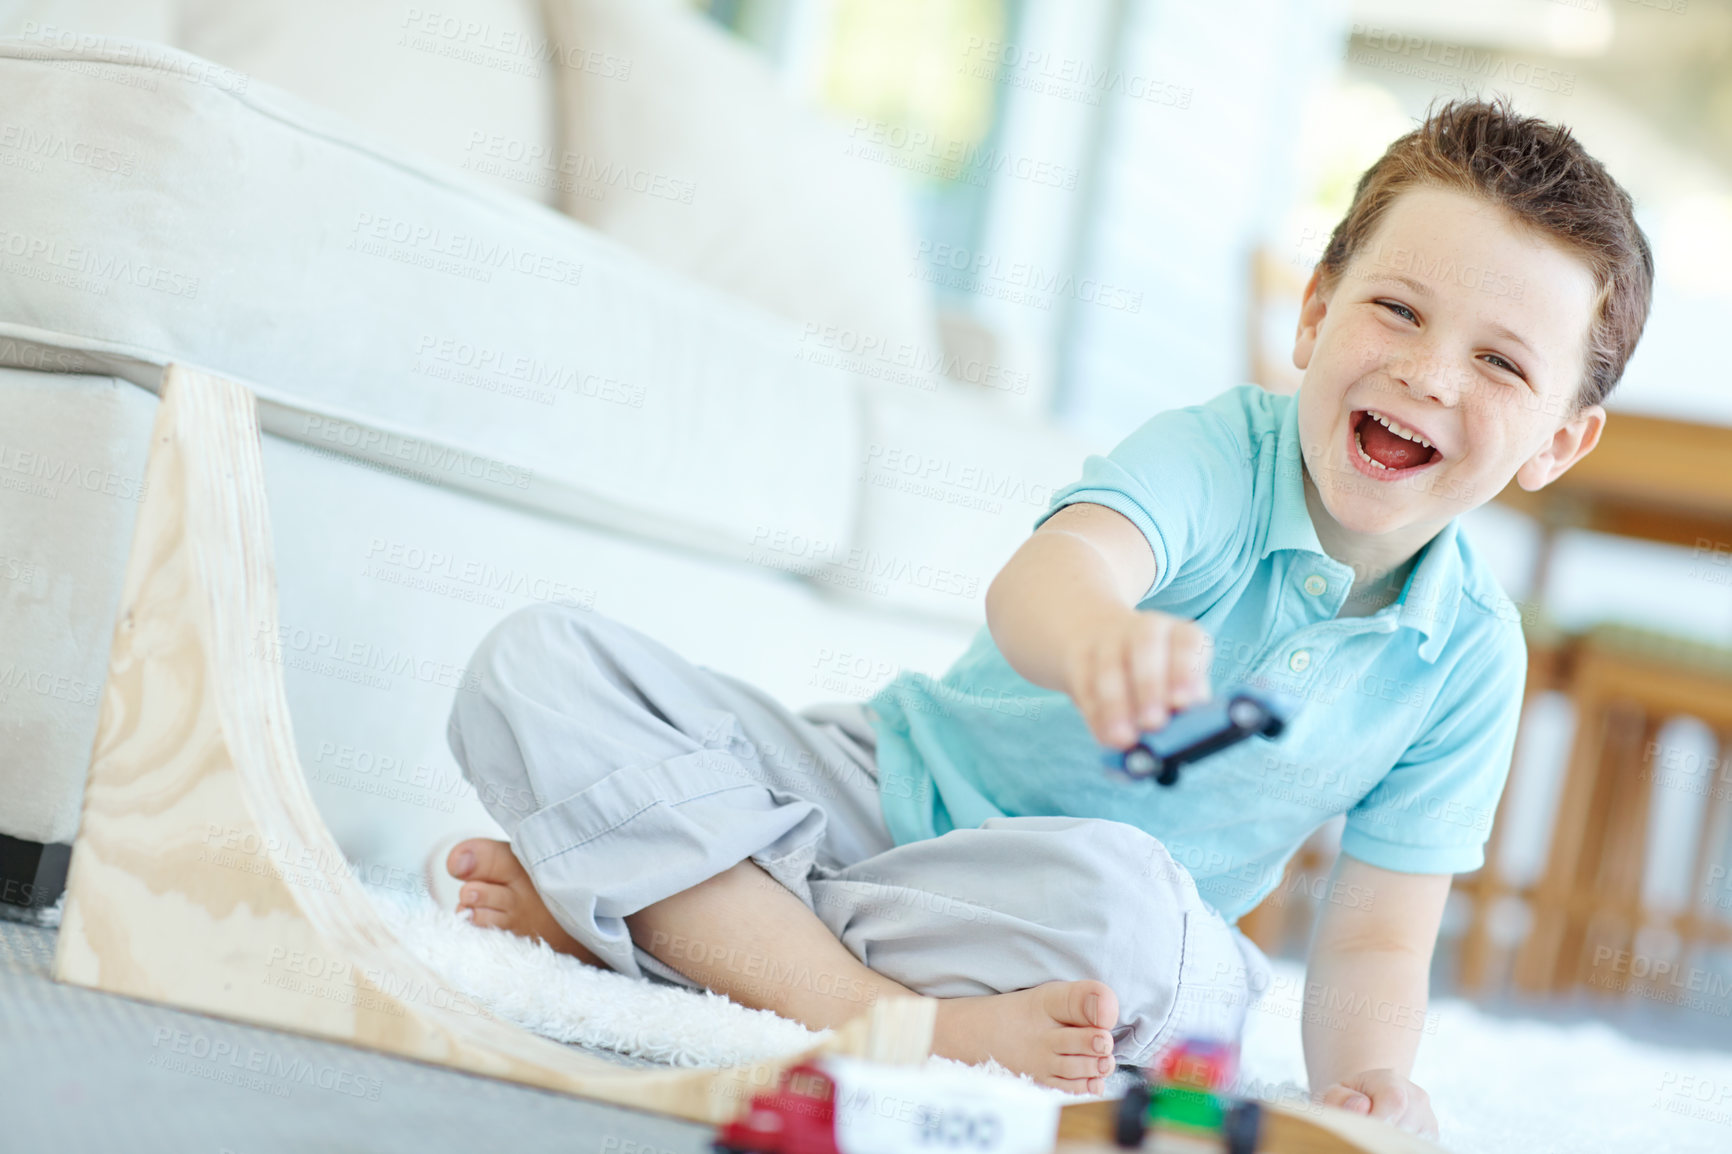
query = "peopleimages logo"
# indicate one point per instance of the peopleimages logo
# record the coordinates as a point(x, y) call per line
point(94, 270)
point(1018, 282)
point(509, 49)
point(1421, 56)
point(48, 145)
point(136, 54)
point(415, 242)
point(426, 458)
point(499, 154)
point(220, 1060)
point(1065, 77)
point(867, 569)
point(933, 154)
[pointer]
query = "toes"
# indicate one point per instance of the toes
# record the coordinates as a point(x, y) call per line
point(492, 919)
point(1075, 1085)
point(1077, 1067)
point(1084, 1040)
point(486, 896)
point(1085, 1003)
point(483, 859)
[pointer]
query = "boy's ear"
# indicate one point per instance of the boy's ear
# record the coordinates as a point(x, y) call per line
point(1574, 440)
point(1311, 309)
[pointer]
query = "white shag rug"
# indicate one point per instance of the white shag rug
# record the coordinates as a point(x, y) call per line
point(1518, 1086)
point(1499, 1086)
point(527, 983)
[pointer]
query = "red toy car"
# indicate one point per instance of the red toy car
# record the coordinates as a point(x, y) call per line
point(798, 1117)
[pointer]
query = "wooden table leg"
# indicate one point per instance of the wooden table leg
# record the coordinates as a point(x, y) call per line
point(1537, 958)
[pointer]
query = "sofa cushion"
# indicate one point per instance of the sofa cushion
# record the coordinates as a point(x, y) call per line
point(385, 586)
point(66, 21)
point(450, 81)
point(682, 143)
point(397, 313)
point(374, 569)
point(951, 486)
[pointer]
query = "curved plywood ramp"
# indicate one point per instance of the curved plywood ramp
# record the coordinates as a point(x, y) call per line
point(203, 876)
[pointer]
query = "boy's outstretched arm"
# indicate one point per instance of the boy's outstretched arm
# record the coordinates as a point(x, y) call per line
point(1063, 612)
point(1366, 984)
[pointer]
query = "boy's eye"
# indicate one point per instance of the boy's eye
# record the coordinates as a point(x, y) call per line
point(1498, 362)
point(1399, 310)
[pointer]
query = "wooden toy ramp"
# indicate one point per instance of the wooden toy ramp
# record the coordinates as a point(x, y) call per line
point(202, 866)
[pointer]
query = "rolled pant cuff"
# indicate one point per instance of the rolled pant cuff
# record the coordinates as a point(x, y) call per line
point(645, 833)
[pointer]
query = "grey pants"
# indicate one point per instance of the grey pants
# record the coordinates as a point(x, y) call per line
point(624, 774)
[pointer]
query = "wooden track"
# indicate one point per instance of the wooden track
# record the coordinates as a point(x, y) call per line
point(203, 876)
point(1286, 1130)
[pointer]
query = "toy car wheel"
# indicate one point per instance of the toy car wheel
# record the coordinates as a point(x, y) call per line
point(1131, 1121)
point(1247, 715)
point(1240, 1127)
point(1141, 761)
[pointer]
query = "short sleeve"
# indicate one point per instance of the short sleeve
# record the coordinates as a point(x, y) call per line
point(1432, 812)
point(1183, 478)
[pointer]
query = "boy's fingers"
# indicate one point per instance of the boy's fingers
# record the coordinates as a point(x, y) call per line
point(1112, 701)
point(1083, 692)
point(1191, 648)
point(1148, 668)
point(1188, 689)
point(1347, 1098)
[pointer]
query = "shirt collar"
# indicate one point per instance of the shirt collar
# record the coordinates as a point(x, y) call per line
point(1431, 599)
point(1289, 520)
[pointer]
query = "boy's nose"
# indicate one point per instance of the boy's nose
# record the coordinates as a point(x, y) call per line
point(1431, 379)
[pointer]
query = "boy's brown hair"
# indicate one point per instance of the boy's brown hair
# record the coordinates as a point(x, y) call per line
point(1541, 175)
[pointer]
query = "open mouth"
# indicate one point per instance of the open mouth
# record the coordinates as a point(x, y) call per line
point(1386, 448)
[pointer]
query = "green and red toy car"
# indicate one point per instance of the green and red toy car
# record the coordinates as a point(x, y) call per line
point(1188, 1090)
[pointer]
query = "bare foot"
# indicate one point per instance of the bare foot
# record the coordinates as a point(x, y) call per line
point(1059, 1033)
point(498, 892)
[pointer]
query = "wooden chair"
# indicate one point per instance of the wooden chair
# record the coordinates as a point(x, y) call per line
point(1588, 905)
point(1551, 660)
point(1654, 479)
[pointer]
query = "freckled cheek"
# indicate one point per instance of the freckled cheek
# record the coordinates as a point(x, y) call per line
point(1475, 404)
point(1363, 349)
point(1488, 437)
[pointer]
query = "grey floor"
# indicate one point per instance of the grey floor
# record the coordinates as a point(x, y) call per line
point(86, 1071)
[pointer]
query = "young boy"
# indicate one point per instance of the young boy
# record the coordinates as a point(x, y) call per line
point(958, 838)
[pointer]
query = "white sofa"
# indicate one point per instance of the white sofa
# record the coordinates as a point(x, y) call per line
point(470, 401)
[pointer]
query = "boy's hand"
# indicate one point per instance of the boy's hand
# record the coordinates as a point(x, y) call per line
point(1131, 671)
point(1387, 1095)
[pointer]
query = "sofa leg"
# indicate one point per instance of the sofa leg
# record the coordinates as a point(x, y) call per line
point(32, 875)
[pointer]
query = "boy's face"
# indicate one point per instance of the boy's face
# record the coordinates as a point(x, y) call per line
point(1457, 326)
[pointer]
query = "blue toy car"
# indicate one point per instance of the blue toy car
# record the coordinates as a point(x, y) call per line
point(1195, 733)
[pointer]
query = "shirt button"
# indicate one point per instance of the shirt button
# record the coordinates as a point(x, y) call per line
point(1299, 661)
point(1315, 585)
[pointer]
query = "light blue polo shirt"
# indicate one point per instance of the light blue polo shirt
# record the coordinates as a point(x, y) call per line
point(1409, 715)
